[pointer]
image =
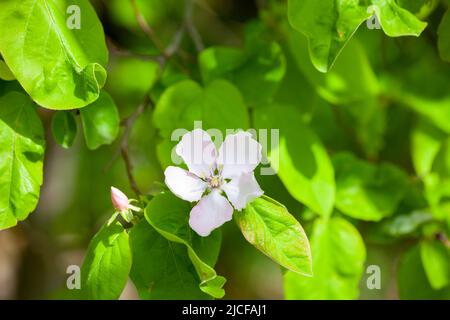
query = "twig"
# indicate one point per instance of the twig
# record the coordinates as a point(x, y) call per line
point(443, 238)
point(166, 53)
point(191, 29)
point(119, 51)
point(176, 41)
point(124, 147)
point(129, 122)
point(145, 27)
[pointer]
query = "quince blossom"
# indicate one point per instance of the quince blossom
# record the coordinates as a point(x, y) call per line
point(213, 173)
point(123, 205)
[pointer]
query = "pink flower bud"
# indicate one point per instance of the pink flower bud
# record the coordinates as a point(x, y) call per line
point(119, 199)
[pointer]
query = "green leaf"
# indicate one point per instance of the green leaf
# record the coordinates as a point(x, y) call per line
point(21, 158)
point(172, 105)
point(169, 215)
point(426, 141)
point(256, 70)
point(402, 225)
point(219, 105)
point(444, 37)
point(300, 159)
point(100, 121)
point(338, 262)
point(395, 20)
point(105, 268)
point(436, 190)
point(142, 151)
point(64, 128)
point(412, 280)
point(172, 277)
point(129, 91)
point(59, 67)
point(328, 35)
point(5, 72)
point(365, 191)
point(352, 78)
point(421, 8)
point(436, 262)
point(269, 226)
point(352, 84)
point(339, 20)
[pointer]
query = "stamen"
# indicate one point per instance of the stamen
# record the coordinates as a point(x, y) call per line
point(215, 182)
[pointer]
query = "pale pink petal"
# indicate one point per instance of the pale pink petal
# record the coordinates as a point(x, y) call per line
point(238, 154)
point(242, 190)
point(211, 212)
point(198, 152)
point(184, 184)
point(119, 199)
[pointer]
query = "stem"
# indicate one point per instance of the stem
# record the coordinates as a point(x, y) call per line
point(192, 30)
point(176, 41)
point(124, 146)
point(443, 238)
point(172, 48)
point(122, 52)
point(145, 27)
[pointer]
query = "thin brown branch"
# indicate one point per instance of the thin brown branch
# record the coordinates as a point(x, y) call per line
point(173, 47)
point(121, 52)
point(124, 143)
point(145, 27)
point(166, 54)
point(126, 158)
point(443, 238)
point(190, 26)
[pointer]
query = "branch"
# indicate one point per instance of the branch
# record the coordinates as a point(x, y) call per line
point(192, 30)
point(121, 52)
point(172, 48)
point(443, 238)
point(145, 27)
point(175, 43)
point(124, 147)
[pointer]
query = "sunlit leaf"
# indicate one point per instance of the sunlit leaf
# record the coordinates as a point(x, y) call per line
point(436, 262)
point(100, 121)
point(161, 268)
point(256, 70)
point(169, 215)
point(107, 264)
point(365, 191)
point(339, 20)
point(64, 128)
point(412, 280)
point(338, 260)
point(268, 226)
point(299, 158)
point(21, 158)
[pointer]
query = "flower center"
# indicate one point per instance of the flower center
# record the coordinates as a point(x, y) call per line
point(215, 181)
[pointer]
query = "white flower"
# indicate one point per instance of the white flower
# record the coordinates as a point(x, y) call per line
point(212, 173)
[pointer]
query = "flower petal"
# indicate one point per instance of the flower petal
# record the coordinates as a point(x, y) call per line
point(184, 184)
point(210, 213)
point(242, 190)
point(119, 199)
point(198, 152)
point(238, 154)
